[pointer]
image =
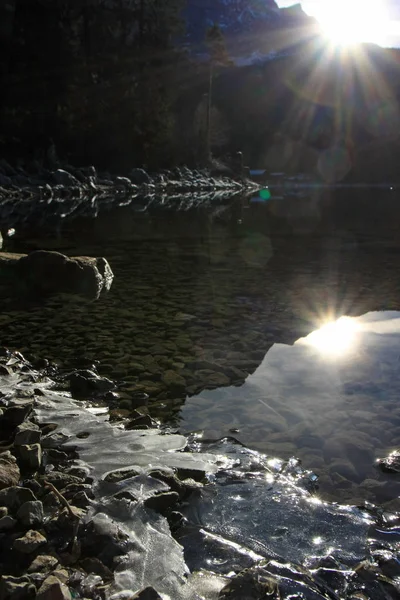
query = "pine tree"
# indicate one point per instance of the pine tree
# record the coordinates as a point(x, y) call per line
point(218, 57)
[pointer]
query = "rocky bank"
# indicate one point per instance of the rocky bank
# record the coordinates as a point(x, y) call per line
point(90, 510)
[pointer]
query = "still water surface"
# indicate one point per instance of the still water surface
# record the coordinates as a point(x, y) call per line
point(210, 311)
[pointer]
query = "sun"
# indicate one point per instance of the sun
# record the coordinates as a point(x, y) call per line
point(347, 22)
point(334, 339)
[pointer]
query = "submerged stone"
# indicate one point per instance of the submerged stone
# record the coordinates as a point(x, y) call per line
point(44, 272)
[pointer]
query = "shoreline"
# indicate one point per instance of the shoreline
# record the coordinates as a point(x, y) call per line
point(75, 514)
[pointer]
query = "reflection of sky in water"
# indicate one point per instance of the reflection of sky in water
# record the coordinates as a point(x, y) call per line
point(333, 404)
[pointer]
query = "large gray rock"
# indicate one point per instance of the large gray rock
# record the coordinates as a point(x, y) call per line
point(9, 471)
point(44, 273)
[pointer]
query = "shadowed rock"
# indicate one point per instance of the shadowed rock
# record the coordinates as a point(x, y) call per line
point(44, 273)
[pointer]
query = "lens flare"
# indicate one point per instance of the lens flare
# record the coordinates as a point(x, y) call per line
point(265, 194)
point(334, 339)
point(351, 21)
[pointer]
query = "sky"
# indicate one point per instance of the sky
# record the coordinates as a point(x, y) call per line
point(377, 21)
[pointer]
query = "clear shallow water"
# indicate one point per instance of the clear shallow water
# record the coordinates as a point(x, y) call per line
point(331, 400)
point(217, 297)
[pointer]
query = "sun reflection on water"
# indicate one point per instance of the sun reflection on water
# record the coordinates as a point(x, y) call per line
point(334, 339)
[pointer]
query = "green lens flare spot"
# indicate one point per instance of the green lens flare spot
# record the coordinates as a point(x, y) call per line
point(265, 194)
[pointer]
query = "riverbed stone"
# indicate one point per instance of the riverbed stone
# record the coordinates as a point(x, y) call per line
point(9, 471)
point(31, 513)
point(174, 381)
point(45, 272)
point(212, 379)
point(29, 542)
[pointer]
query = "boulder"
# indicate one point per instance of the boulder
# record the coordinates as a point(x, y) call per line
point(45, 273)
point(9, 472)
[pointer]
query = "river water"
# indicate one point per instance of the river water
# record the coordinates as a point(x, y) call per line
point(210, 314)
